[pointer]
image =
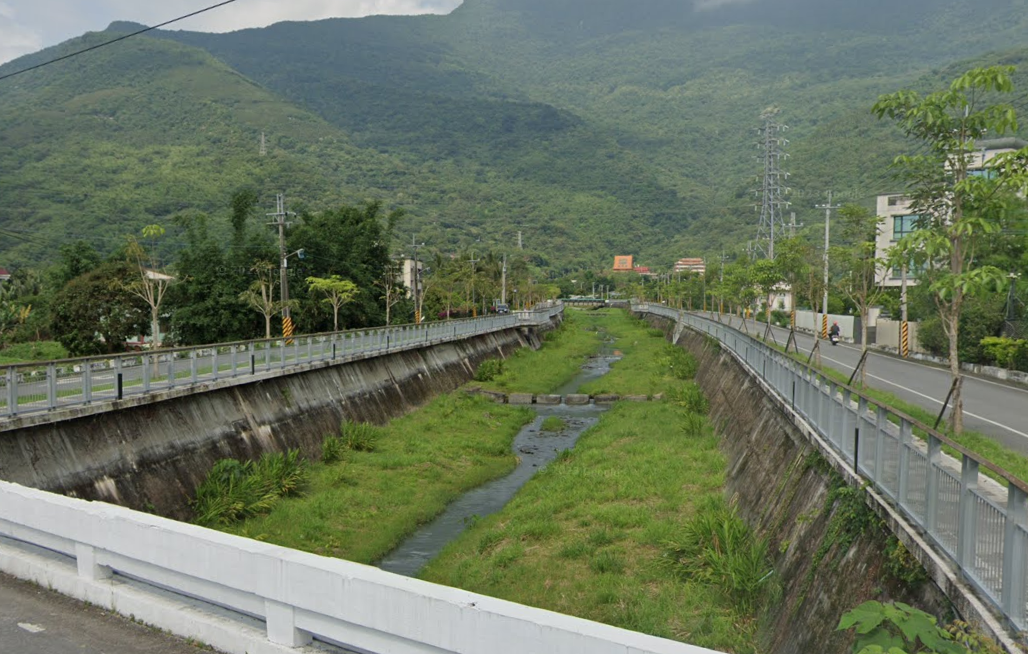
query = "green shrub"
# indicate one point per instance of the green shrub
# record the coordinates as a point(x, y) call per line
point(489, 370)
point(235, 490)
point(681, 364)
point(359, 436)
point(332, 449)
point(690, 396)
point(1006, 352)
point(553, 424)
point(717, 548)
point(656, 333)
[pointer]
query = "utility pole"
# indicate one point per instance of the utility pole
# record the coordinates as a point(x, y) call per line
point(416, 275)
point(520, 243)
point(772, 189)
point(281, 221)
point(904, 325)
point(474, 299)
point(503, 283)
point(824, 305)
point(264, 145)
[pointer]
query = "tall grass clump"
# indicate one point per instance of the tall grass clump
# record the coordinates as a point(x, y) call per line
point(680, 364)
point(235, 490)
point(715, 547)
point(689, 396)
point(359, 436)
point(489, 370)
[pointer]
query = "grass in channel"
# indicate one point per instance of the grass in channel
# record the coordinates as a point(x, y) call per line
point(648, 361)
point(590, 534)
point(362, 506)
point(560, 358)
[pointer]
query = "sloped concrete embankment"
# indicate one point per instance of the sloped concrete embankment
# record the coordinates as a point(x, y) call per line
point(152, 457)
point(829, 555)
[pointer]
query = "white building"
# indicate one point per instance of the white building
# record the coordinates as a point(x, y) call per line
point(898, 218)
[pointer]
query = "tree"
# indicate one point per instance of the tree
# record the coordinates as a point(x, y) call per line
point(153, 282)
point(393, 290)
point(338, 291)
point(856, 266)
point(95, 313)
point(766, 275)
point(260, 295)
point(955, 209)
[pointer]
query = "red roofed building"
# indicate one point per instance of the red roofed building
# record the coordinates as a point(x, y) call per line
point(4, 275)
point(623, 264)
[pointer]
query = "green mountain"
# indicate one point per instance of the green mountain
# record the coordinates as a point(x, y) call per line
point(594, 127)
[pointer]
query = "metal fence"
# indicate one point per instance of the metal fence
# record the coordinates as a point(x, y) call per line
point(38, 387)
point(981, 525)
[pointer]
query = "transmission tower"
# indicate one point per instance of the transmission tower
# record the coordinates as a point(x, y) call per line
point(773, 190)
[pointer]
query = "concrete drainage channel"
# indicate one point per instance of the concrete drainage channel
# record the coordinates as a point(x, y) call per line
point(534, 448)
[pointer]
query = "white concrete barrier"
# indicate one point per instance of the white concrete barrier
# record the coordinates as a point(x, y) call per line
point(297, 596)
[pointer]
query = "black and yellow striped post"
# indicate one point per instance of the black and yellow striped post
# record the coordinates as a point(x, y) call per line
point(824, 325)
point(287, 329)
point(905, 339)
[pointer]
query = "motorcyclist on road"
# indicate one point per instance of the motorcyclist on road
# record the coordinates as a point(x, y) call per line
point(833, 333)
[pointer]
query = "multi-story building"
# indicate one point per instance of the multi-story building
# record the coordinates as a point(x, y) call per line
point(899, 220)
point(691, 265)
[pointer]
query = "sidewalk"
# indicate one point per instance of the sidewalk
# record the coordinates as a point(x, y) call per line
point(34, 620)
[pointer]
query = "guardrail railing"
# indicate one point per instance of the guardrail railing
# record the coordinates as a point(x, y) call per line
point(978, 524)
point(45, 386)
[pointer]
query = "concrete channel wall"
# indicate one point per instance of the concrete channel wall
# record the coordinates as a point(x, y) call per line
point(781, 483)
point(152, 453)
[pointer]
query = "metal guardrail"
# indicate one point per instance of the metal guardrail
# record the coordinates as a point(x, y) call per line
point(39, 387)
point(979, 525)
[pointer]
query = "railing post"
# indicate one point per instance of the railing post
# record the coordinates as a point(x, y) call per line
point(194, 373)
point(967, 531)
point(12, 391)
point(934, 455)
point(171, 370)
point(234, 359)
point(51, 386)
point(87, 381)
point(1014, 553)
point(881, 420)
point(118, 377)
point(214, 363)
point(906, 431)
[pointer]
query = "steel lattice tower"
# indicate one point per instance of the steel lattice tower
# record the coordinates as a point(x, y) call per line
point(773, 190)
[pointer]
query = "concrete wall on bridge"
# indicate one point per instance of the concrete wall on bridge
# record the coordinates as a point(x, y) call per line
point(782, 489)
point(153, 453)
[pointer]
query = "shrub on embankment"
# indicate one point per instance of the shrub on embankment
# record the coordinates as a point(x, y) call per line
point(236, 490)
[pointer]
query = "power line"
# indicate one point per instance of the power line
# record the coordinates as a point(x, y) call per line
point(120, 38)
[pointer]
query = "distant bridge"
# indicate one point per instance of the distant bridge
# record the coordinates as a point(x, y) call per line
point(595, 303)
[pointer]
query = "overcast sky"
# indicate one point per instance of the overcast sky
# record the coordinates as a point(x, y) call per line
point(30, 25)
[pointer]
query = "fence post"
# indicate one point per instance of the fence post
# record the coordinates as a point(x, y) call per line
point(934, 454)
point(51, 386)
point(968, 513)
point(214, 363)
point(12, 390)
point(117, 374)
point(193, 372)
point(881, 420)
point(87, 381)
point(1014, 552)
point(906, 439)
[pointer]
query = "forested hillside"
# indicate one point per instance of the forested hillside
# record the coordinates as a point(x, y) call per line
point(594, 127)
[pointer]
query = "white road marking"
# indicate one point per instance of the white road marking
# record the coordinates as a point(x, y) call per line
point(932, 399)
point(31, 628)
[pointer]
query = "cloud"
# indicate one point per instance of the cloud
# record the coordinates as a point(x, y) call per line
point(17, 39)
point(32, 26)
point(704, 5)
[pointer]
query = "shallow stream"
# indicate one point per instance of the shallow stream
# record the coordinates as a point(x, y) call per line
point(534, 448)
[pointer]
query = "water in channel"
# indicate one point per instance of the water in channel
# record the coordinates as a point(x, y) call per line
point(534, 449)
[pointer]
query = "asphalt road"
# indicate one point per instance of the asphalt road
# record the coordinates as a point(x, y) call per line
point(34, 620)
point(991, 407)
